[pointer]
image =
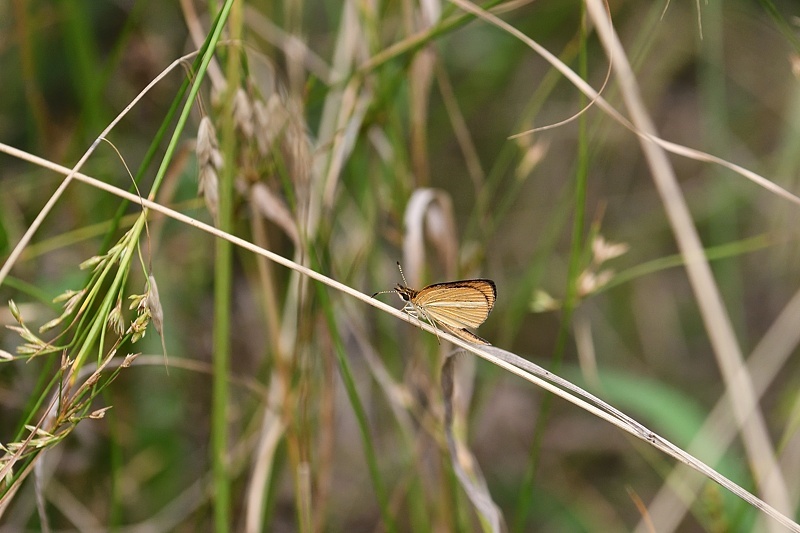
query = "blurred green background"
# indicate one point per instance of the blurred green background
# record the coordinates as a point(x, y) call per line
point(434, 109)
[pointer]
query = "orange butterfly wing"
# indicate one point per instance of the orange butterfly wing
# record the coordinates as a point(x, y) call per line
point(458, 304)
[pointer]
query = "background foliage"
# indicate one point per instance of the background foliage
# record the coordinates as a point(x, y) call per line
point(352, 135)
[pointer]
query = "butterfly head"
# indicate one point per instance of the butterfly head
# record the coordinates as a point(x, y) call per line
point(404, 292)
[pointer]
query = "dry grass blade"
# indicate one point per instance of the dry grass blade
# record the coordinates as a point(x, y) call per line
point(464, 464)
point(587, 401)
point(271, 207)
point(764, 364)
point(429, 215)
point(707, 294)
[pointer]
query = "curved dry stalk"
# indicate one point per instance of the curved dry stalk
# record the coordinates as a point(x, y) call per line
point(51, 202)
point(603, 104)
point(464, 464)
point(429, 213)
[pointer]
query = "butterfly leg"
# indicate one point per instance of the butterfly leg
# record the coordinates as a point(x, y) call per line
point(418, 313)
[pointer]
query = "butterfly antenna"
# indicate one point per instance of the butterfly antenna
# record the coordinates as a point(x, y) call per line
point(401, 274)
point(382, 292)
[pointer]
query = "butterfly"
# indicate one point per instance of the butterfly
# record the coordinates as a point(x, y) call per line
point(453, 305)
